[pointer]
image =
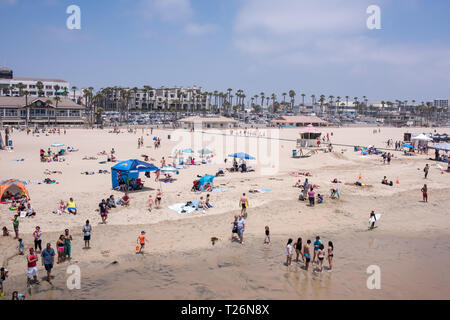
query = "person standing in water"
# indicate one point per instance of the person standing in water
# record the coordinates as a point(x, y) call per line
point(317, 243)
point(330, 255)
point(289, 252)
point(306, 253)
point(321, 257)
point(298, 249)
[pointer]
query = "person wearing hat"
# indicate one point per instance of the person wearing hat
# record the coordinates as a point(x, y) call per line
point(32, 267)
point(141, 241)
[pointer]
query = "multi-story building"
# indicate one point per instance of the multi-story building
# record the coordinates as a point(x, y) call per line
point(441, 103)
point(39, 110)
point(36, 87)
point(154, 99)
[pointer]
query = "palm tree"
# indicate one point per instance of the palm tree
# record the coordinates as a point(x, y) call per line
point(74, 89)
point(26, 94)
point(20, 86)
point(303, 99)
point(292, 96)
point(40, 86)
point(57, 100)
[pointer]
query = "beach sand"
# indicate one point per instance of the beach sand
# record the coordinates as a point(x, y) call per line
point(410, 244)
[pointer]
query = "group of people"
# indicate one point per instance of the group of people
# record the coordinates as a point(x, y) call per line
point(304, 251)
point(110, 203)
point(67, 207)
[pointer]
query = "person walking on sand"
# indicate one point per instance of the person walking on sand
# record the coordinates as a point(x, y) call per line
point(37, 234)
point(243, 203)
point(32, 272)
point(373, 219)
point(289, 252)
point(241, 228)
point(426, 169)
point(87, 230)
point(158, 198)
point(307, 254)
point(235, 228)
point(16, 225)
point(267, 238)
point(330, 255)
point(425, 193)
point(67, 244)
point(48, 258)
point(141, 239)
point(103, 210)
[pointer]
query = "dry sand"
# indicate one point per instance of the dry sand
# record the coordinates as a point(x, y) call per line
point(411, 243)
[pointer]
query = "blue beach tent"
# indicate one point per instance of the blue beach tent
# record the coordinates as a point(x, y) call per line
point(129, 169)
point(204, 180)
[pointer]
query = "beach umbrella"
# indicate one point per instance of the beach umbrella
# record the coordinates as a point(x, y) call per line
point(204, 151)
point(57, 144)
point(188, 150)
point(241, 155)
point(407, 145)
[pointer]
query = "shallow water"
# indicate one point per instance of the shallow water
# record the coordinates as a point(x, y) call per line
point(411, 268)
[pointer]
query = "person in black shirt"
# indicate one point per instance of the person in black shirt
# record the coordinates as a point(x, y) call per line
point(103, 211)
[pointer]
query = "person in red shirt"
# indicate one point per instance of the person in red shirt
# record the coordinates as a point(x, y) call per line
point(32, 267)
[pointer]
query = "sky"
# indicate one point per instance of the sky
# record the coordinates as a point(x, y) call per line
point(271, 46)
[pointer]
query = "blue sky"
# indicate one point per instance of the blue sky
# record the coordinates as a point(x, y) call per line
point(272, 46)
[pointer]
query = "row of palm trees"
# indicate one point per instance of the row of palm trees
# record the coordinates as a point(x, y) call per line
point(223, 102)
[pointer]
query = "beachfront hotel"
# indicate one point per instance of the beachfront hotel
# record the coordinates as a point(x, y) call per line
point(36, 87)
point(40, 111)
point(155, 99)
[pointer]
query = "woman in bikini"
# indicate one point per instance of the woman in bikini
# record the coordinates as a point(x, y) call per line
point(330, 255)
point(321, 256)
point(158, 198)
point(60, 246)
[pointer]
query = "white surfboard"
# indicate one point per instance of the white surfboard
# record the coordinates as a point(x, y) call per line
point(377, 217)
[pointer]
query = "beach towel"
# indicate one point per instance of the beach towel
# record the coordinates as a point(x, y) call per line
point(219, 190)
point(181, 208)
point(259, 190)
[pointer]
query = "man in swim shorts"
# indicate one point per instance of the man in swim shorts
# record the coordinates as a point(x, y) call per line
point(317, 243)
point(306, 253)
point(243, 203)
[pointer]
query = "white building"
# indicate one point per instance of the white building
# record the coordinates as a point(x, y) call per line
point(9, 85)
point(441, 103)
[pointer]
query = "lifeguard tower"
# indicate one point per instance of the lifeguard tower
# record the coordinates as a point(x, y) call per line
point(307, 144)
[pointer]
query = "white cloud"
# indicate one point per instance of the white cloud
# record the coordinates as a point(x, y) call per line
point(167, 10)
point(195, 29)
point(329, 33)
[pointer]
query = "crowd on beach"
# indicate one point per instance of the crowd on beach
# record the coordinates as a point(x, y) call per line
point(47, 255)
